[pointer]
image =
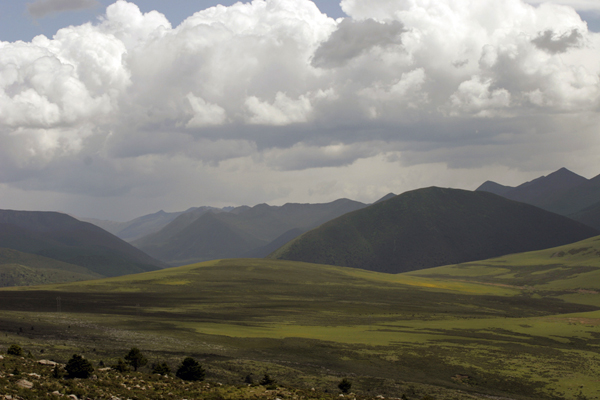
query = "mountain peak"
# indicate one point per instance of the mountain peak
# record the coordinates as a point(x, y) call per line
point(493, 187)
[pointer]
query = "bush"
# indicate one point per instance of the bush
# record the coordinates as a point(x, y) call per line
point(57, 373)
point(135, 358)
point(345, 385)
point(79, 367)
point(162, 369)
point(190, 370)
point(120, 366)
point(267, 381)
point(15, 350)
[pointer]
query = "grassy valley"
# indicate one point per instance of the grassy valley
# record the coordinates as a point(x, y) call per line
point(524, 326)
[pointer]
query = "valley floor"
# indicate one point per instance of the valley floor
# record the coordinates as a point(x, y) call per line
point(518, 327)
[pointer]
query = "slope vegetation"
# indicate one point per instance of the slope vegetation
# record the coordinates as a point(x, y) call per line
point(61, 237)
point(432, 227)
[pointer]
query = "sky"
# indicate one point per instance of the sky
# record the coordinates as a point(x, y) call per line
point(116, 109)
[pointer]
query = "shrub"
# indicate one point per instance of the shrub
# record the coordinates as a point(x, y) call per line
point(135, 358)
point(15, 350)
point(267, 381)
point(190, 370)
point(120, 366)
point(57, 373)
point(249, 379)
point(345, 385)
point(79, 367)
point(162, 369)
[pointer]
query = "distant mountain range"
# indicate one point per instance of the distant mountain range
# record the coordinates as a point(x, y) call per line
point(207, 234)
point(432, 227)
point(562, 192)
point(142, 226)
point(76, 247)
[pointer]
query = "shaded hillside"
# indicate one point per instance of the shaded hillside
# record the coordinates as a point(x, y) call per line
point(141, 226)
point(432, 227)
point(24, 269)
point(207, 238)
point(562, 192)
point(243, 231)
point(64, 238)
point(589, 216)
point(538, 191)
point(493, 187)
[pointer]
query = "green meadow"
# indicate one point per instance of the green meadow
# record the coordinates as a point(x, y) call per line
point(524, 326)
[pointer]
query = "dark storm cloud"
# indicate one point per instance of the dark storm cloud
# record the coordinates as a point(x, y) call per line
point(353, 38)
point(549, 42)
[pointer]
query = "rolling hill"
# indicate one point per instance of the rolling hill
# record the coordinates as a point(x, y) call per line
point(431, 227)
point(242, 232)
point(64, 238)
point(523, 326)
point(24, 269)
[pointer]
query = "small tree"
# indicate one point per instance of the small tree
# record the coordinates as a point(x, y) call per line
point(161, 369)
point(15, 350)
point(79, 367)
point(345, 385)
point(135, 358)
point(190, 370)
point(120, 366)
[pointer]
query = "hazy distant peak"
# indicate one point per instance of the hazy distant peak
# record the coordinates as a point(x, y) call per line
point(386, 197)
point(493, 187)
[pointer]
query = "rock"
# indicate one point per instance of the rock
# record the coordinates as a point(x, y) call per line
point(57, 393)
point(25, 384)
point(72, 396)
point(1, 357)
point(47, 362)
point(35, 375)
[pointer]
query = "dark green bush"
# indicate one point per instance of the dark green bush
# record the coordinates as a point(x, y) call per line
point(15, 350)
point(120, 366)
point(345, 385)
point(190, 370)
point(135, 358)
point(267, 381)
point(79, 367)
point(162, 369)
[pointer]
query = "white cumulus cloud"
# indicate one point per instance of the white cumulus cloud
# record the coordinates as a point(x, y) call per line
point(275, 85)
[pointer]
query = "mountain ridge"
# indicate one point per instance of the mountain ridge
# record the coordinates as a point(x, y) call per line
point(430, 227)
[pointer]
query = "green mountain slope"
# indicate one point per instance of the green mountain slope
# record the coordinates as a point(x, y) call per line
point(23, 269)
point(61, 237)
point(431, 227)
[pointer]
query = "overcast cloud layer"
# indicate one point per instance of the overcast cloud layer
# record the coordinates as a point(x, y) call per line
point(273, 101)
